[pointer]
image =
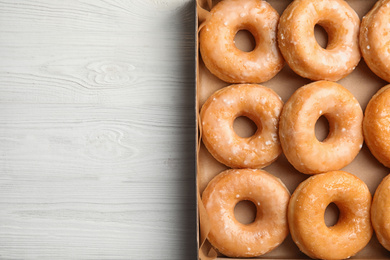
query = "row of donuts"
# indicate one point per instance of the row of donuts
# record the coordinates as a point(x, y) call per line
point(290, 128)
point(290, 38)
point(302, 214)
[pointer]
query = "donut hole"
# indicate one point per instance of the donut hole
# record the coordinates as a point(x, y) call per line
point(331, 215)
point(244, 127)
point(245, 41)
point(321, 36)
point(245, 212)
point(322, 128)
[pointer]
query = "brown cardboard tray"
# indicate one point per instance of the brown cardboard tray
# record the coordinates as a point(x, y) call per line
point(361, 82)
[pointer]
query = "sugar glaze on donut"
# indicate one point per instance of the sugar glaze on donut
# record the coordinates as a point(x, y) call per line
point(375, 38)
point(376, 125)
point(297, 127)
point(306, 210)
point(260, 104)
point(219, 52)
point(300, 48)
point(270, 197)
point(380, 212)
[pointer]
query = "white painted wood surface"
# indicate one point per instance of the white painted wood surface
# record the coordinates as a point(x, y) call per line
point(97, 129)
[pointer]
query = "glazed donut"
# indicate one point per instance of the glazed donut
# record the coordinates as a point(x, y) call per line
point(376, 126)
point(375, 38)
point(260, 104)
point(306, 212)
point(269, 229)
point(380, 213)
point(219, 52)
point(297, 127)
point(300, 48)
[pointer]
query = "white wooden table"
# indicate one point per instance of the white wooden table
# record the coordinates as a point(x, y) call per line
point(97, 129)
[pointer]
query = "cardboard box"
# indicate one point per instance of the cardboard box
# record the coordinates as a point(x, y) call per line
point(361, 82)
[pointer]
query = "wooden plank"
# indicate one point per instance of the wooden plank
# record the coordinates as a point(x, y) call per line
point(97, 129)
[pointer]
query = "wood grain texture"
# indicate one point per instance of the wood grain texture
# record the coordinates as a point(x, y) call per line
point(97, 129)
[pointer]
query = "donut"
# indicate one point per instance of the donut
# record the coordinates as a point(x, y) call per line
point(297, 127)
point(260, 104)
point(218, 49)
point(374, 39)
point(376, 124)
point(306, 211)
point(299, 46)
point(380, 212)
point(269, 228)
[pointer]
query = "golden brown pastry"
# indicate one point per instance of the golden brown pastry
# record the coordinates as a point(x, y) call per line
point(297, 127)
point(375, 38)
point(260, 104)
point(306, 212)
point(270, 197)
point(376, 125)
point(299, 45)
point(219, 52)
point(380, 212)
